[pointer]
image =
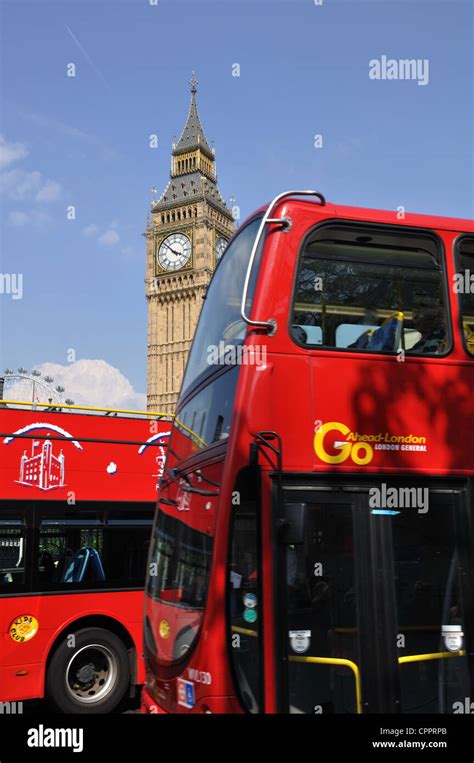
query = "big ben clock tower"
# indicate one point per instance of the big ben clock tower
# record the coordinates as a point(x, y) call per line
point(189, 229)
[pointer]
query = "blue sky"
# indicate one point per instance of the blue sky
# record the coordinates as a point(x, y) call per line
point(304, 70)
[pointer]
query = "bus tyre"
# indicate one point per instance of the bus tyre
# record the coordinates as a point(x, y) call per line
point(91, 675)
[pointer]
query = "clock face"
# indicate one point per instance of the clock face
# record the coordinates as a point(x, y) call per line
point(174, 252)
point(221, 244)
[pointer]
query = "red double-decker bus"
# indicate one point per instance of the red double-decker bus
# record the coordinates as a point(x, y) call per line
point(313, 548)
point(77, 496)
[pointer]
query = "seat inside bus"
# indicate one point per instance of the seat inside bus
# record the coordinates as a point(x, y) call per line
point(85, 566)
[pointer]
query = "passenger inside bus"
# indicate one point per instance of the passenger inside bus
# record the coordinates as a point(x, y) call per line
point(469, 337)
point(378, 293)
point(430, 323)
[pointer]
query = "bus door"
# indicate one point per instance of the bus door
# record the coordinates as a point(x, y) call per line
point(432, 583)
point(374, 610)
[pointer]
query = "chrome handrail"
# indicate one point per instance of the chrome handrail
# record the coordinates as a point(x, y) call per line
point(286, 223)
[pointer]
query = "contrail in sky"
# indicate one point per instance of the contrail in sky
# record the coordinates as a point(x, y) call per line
point(88, 58)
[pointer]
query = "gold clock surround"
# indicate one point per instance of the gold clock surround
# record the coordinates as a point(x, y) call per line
point(159, 270)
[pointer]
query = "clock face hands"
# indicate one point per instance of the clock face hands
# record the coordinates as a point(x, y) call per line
point(177, 254)
point(174, 252)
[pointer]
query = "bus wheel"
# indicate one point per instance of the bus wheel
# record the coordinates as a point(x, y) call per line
point(90, 677)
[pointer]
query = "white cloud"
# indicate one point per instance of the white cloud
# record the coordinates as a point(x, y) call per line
point(87, 382)
point(90, 230)
point(50, 191)
point(21, 185)
point(34, 217)
point(24, 185)
point(109, 238)
point(18, 218)
point(11, 152)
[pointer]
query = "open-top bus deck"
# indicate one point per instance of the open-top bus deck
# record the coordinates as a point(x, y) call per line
point(77, 494)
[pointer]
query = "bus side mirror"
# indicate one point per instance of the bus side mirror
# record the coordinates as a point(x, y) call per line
point(292, 527)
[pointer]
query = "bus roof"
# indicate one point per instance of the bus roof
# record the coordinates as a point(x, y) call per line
point(376, 215)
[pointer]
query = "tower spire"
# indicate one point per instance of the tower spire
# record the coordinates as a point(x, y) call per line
point(193, 136)
point(193, 164)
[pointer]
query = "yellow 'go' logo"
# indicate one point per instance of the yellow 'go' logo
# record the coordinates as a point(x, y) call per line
point(361, 452)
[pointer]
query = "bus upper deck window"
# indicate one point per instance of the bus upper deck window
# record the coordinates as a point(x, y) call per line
point(380, 292)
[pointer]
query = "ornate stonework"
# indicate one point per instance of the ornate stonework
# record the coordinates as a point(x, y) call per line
point(187, 225)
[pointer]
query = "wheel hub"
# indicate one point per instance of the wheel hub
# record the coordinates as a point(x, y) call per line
point(86, 673)
point(91, 674)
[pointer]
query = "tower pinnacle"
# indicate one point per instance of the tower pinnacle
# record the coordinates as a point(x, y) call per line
point(193, 136)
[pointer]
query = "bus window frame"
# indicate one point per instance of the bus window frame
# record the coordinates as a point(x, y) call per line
point(377, 228)
point(457, 257)
point(204, 377)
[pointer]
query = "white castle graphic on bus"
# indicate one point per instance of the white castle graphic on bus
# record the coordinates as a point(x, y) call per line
point(42, 469)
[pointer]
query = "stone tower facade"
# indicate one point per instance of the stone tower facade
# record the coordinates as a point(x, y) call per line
point(187, 232)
